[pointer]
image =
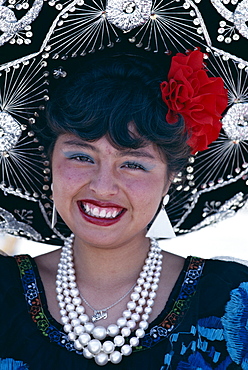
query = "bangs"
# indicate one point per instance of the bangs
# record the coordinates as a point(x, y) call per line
point(110, 109)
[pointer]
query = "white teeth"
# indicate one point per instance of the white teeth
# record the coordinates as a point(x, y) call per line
point(100, 213)
point(95, 212)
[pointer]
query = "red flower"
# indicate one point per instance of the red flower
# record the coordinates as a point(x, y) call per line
point(198, 98)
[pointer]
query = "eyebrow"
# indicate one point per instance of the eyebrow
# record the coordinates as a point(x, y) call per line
point(137, 153)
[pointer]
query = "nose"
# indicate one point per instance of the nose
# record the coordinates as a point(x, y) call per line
point(104, 183)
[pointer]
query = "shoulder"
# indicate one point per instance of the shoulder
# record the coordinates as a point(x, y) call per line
point(216, 286)
point(10, 271)
point(229, 271)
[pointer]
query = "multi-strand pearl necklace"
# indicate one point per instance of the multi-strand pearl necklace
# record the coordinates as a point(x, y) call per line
point(94, 341)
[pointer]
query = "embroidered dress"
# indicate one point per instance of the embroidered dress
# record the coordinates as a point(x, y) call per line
point(203, 325)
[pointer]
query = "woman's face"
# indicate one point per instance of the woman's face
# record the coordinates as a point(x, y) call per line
point(107, 196)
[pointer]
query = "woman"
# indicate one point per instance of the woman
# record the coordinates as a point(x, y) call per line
point(111, 297)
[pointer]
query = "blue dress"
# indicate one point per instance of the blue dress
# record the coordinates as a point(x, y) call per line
point(204, 324)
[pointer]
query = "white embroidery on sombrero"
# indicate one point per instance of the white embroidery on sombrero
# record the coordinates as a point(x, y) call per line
point(238, 18)
point(127, 15)
point(9, 24)
point(11, 226)
point(235, 122)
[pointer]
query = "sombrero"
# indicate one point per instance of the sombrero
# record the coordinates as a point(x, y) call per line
point(40, 43)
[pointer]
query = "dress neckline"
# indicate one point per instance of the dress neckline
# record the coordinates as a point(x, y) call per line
point(170, 317)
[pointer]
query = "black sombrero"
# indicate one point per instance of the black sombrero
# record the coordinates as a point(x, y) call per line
point(40, 43)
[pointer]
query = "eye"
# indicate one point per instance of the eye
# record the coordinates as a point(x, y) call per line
point(82, 158)
point(134, 166)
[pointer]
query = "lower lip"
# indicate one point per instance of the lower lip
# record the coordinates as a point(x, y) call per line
point(100, 221)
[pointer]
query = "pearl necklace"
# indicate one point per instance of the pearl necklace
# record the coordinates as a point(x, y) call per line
point(89, 339)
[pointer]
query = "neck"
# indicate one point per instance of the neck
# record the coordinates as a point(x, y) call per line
point(107, 268)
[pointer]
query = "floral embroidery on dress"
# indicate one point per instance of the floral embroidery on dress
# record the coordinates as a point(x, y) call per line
point(235, 323)
point(11, 364)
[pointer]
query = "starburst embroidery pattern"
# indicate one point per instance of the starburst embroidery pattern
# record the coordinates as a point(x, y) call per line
point(24, 166)
point(84, 28)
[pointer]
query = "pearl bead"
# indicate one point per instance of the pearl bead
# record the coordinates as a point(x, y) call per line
point(89, 326)
point(78, 345)
point(59, 289)
point(67, 300)
point(126, 350)
point(119, 341)
point(121, 322)
point(134, 341)
point(138, 289)
point(84, 318)
point(63, 312)
point(145, 317)
point(148, 310)
point(75, 322)
point(152, 295)
point(67, 328)
point(131, 324)
point(78, 330)
point(139, 309)
point(108, 347)
point(71, 336)
point(60, 297)
point(80, 309)
point(84, 339)
point(101, 359)
point(99, 332)
point(144, 293)
point(147, 285)
point(87, 353)
point(62, 304)
point(65, 319)
point(94, 346)
point(154, 287)
point(140, 281)
point(140, 333)
point(76, 301)
point(74, 292)
point(112, 330)
point(66, 292)
point(143, 325)
point(125, 331)
point(131, 305)
point(150, 302)
point(72, 315)
point(115, 357)
point(143, 274)
point(126, 314)
point(135, 317)
point(70, 307)
point(72, 284)
point(135, 296)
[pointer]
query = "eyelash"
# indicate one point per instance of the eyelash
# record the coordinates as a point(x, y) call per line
point(134, 166)
point(82, 158)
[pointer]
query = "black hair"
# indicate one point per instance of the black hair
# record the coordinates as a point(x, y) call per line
point(107, 96)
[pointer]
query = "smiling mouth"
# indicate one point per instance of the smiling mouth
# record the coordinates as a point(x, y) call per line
point(109, 213)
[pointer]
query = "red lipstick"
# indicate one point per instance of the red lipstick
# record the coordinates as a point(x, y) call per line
point(85, 208)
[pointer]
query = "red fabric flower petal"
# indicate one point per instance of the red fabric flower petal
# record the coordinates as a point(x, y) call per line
point(200, 99)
